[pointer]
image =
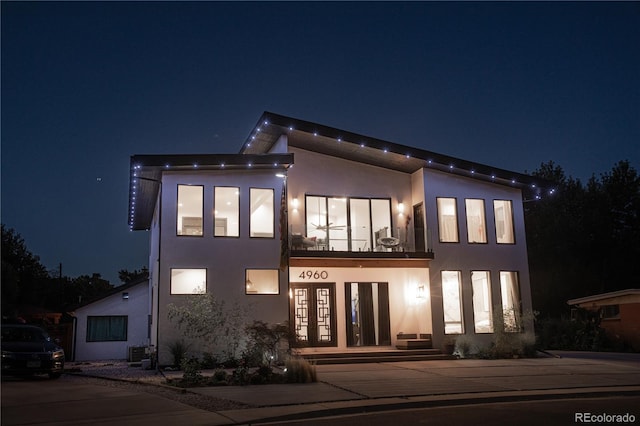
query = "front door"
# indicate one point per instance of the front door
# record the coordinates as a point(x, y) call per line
point(313, 313)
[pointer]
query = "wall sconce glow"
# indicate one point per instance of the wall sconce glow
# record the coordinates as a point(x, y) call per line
point(401, 208)
point(295, 203)
point(421, 294)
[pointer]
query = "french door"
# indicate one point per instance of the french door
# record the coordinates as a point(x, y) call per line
point(313, 313)
point(367, 312)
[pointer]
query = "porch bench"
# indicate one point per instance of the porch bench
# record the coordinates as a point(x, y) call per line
point(413, 341)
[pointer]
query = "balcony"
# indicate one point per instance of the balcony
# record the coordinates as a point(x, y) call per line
point(351, 242)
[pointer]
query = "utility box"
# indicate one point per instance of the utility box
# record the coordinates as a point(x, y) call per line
point(137, 353)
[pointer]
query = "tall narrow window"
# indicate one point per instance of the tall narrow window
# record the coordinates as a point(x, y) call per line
point(262, 213)
point(190, 210)
point(381, 224)
point(447, 220)
point(476, 224)
point(511, 302)
point(226, 212)
point(452, 302)
point(482, 316)
point(360, 224)
point(504, 221)
point(188, 281)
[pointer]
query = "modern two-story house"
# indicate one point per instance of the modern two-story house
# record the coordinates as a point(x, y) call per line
point(356, 241)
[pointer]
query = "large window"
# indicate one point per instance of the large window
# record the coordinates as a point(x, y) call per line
point(511, 303)
point(504, 221)
point(262, 281)
point(226, 212)
point(107, 328)
point(348, 224)
point(190, 210)
point(476, 224)
point(262, 222)
point(447, 220)
point(482, 315)
point(452, 302)
point(188, 281)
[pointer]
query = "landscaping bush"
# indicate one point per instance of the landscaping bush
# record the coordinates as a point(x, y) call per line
point(178, 351)
point(299, 370)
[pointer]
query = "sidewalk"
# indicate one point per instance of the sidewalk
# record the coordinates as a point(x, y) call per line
point(349, 388)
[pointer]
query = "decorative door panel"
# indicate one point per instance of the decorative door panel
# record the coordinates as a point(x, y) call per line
point(312, 313)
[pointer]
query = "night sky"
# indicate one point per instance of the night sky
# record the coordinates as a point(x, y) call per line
point(86, 85)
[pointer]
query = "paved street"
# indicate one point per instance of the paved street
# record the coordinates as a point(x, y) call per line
point(345, 390)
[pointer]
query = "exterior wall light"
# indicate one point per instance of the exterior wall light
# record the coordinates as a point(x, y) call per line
point(401, 208)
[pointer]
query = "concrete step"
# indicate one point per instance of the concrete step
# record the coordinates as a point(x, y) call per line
point(371, 356)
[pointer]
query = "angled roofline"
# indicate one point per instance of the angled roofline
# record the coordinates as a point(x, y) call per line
point(271, 126)
point(603, 296)
point(115, 290)
point(145, 176)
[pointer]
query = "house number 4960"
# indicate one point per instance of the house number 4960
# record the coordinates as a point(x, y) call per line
point(316, 275)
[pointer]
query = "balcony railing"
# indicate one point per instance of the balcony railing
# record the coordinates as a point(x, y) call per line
point(352, 239)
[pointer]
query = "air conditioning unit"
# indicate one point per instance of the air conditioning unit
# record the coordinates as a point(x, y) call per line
point(137, 353)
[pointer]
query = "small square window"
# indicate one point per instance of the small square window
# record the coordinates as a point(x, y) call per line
point(262, 281)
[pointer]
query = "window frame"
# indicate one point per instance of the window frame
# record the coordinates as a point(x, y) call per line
point(109, 317)
point(483, 219)
point(441, 223)
point(460, 303)
point(239, 209)
point(517, 305)
point(178, 217)
point(511, 219)
point(273, 222)
point(489, 302)
point(256, 293)
point(206, 281)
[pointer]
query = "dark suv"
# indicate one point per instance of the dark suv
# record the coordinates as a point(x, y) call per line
point(27, 349)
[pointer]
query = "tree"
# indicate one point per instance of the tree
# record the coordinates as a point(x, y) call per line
point(583, 240)
point(24, 278)
point(127, 276)
point(216, 327)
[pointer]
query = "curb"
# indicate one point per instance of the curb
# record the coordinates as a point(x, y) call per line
point(434, 401)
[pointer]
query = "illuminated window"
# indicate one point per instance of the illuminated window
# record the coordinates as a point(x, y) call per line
point(476, 224)
point(504, 221)
point(511, 303)
point(188, 281)
point(452, 302)
point(447, 220)
point(262, 281)
point(482, 315)
point(190, 210)
point(226, 212)
point(262, 213)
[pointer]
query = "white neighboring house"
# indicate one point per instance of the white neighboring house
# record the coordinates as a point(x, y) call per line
point(358, 244)
point(107, 327)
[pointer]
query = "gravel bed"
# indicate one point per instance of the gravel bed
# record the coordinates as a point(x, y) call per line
point(118, 374)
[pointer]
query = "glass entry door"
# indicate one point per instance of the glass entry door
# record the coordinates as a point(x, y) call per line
point(312, 313)
point(367, 306)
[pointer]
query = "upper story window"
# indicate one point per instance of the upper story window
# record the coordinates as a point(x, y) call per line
point(447, 220)
point(190, 210)
point(226, 211)
point(348, 224)
point(476, 223)
point(503, 211)
point(262, 221)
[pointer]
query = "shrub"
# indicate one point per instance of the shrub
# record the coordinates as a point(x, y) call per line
point(264, 341)
point(191, 374)
point(178, 350)
point(299, 370)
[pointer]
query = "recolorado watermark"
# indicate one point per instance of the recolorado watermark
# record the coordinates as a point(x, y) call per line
point(603, 418)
